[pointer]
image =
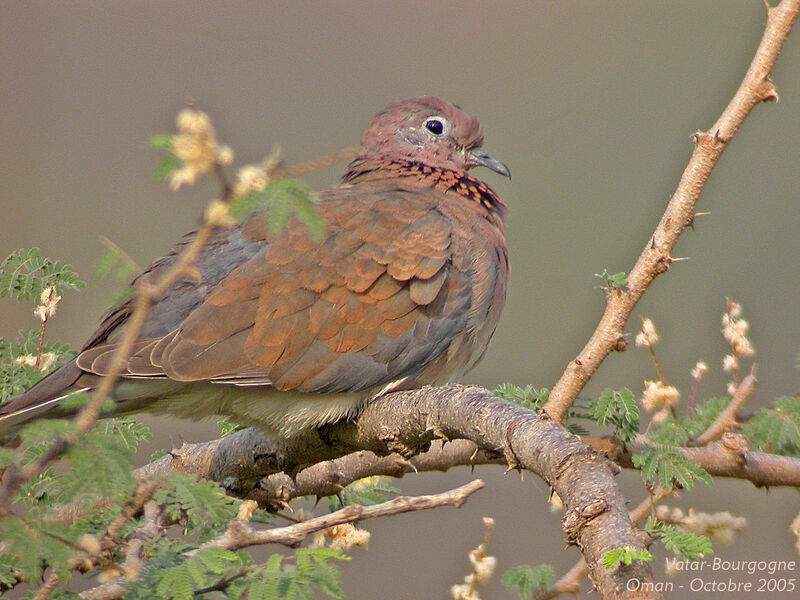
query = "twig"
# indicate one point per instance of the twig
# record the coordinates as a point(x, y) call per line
point(149, 529)
point(116, 249)
point(141, 496)
point(240, 534)
point(45, 318)
point(655, 258)
point(316, 164)
point(727, 418)
point(47, 587)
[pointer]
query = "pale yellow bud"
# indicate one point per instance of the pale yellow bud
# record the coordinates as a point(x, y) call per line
point(699, 371)
point(648, 336)
point(483, 567)
point(341, 537)
point(721, 527)
point(250, 178)
point(89, 544)
point(463, 591)
point(218, 214)
point(730, 363)
point(196, 147)
point(658, 395)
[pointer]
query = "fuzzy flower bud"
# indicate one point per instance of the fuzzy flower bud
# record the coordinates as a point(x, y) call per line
point(196, 147)
point(90, 544)
point(658, 395)
point(734, 330)
point(341, 537)
point(721, 527)
point(464, 591)
point(482, 566)
point(660, 416)
point(46, 360)
point(699, 371)
point(47, 304)
point(795, 529)
point(250, 178)
point(648, 336)
point(730, 363)
point(218, 214)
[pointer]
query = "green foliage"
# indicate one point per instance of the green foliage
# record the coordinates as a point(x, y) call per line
point(666, 465)
point(777, 428)
point(168, 162)
point(617, 408)
point(199, 505)
point(45, 431)
point(220, 573)
point(525, 580)
point(8, 566)
point(703, 415)
point(196, 572)
point(625, 556)
point(227, 427)
point(100, 464)
point(576, 429)
point(15, 378)
point(370, 490)
point(688, 427)
point(113, 262)
point(668, 433)
point(161, 141)
point(528, 397)
point(686, 545)
point(314, 569)
point(88, 475)
point(25, 274)
point(29, 543)
point(616, 281)
point(283, 199)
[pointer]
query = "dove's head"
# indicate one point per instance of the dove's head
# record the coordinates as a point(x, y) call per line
point(432, 132)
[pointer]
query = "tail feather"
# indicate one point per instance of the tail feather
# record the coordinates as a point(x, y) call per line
point(44, 399)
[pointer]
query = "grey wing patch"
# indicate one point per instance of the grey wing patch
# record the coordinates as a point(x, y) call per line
point(218, 258)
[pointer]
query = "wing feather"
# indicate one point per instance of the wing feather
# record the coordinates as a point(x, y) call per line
point(383, 296)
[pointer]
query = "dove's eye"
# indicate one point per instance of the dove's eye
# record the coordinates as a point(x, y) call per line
point(435, 126)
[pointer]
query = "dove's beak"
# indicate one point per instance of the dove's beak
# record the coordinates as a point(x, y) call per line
point(478, 157)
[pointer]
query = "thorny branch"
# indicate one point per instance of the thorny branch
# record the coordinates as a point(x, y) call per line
point(406, 422)
point(240, 534)
point(656, 257)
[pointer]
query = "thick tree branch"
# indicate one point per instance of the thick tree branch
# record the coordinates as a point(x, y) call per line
point(727, 457)
point(406, 422)
point(655, 258)
point(569, 583)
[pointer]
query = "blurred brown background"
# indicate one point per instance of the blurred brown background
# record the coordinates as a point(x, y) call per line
point(590, 104)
